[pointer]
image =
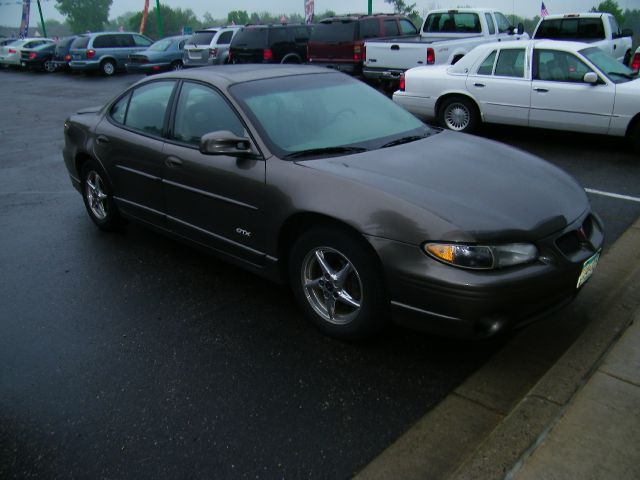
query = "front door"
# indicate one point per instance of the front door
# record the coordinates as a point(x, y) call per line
point(215, 200)
point(560, 99)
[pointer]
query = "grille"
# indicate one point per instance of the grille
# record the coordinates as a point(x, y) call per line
point(571, 242)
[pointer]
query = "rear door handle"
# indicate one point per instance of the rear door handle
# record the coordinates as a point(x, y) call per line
point(478, 85)
point(395, 47)
point(173, 162)
point(541, 90)
point(102, 140)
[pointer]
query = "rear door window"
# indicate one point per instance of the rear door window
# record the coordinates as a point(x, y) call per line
point(251, 38)
point(202, 38)
point(510, 63)
point(503, 24)
point(486, 67)
point(104, 41)
point(148, 107)
point(490, 24)
point(369, 28)
point(118, 111)
point(391, 28)
point(407, 27)
point(278, 35)
point(141, 41)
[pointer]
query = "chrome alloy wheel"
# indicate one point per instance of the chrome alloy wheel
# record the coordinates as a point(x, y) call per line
point(96, 195)
point(331, 285)
point(457, 116)
point(108, 68)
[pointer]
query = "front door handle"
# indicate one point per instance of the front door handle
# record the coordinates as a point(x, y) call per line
point(395, 47)
point(173, 162)
point(102, 140)
point(478, 85)
point(541, 90)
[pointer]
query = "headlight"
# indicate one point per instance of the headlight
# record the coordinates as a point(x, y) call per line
point(482, 257)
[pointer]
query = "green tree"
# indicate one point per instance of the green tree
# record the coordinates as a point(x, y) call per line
point(326, 14)
point(120, 21)
point(173, 19)
point(239, 17)
point(400, 6)
point(610, 6)
point(83, 15)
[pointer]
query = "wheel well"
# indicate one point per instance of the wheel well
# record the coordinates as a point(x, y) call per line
point(444, 98)
point(632, 124)
point(108, 59)
point(291, 56)
point(81, 159)
point(298, 223)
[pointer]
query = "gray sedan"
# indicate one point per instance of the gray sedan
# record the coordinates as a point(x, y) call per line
point(307, 176)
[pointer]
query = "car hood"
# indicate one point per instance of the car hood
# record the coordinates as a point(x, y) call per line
point(483, 188)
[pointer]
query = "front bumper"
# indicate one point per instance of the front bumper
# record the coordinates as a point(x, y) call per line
point(441, 299)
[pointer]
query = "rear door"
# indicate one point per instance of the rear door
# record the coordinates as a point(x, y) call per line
point(502, 85)
point(215, 200)
point(129, 144)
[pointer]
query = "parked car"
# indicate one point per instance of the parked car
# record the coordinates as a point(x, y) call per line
point(319, 180)
point(598, 29)
point(37, 58)
point(6, 41)
point(338, 42)
point(209, 47)
point(163, 55)
point(539, 83)
point(106, 52)
point(61, 55)
point(446, 36)
point(10, 53)
point(270, 44)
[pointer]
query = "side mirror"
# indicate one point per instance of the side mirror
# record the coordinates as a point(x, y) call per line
point(517, 30)
point(590, 77)
point(224, 142)
point(627, 32)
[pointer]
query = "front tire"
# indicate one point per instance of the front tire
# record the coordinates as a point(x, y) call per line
point(98, 197)
point(338, 283)
point(459, 114)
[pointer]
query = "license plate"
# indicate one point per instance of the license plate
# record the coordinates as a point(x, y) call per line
point(587, 269)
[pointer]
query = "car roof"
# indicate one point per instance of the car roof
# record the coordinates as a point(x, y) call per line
point(542, 43)
point(556, 16)
point(225, 75)
point(461, 10)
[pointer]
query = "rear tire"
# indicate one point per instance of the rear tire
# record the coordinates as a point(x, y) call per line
point(338, 283)
point(49, 66)
point(98, 197)
point(177, 65)
point(108, 68)
point(459, 114)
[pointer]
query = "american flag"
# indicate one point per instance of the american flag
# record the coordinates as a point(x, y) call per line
point(543, 11)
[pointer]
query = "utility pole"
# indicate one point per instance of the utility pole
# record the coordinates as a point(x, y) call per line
point(160, 29)
point(44, 29)
point(370, 7)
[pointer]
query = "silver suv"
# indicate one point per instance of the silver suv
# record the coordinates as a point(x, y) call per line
point(209, 47)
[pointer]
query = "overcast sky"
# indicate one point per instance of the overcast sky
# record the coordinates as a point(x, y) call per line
point(10, 10)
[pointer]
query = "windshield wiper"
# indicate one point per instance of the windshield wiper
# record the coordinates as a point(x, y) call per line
point(400, 141)
point(327, 150)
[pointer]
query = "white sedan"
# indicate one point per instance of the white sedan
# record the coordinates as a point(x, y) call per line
point(10, 53)
point(536, 83)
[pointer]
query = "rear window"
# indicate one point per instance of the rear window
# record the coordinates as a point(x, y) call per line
point(250, 38)
point(80, 42)
point(452, 22)
point(336, 31)
point(203, 38)
point(571, 28)
point(65, 42)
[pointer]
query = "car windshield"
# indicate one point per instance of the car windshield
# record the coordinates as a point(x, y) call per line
point(161, 45)
point(324, 111)
point(612, 68)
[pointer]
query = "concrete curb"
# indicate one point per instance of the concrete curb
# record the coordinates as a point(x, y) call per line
point(494, 420)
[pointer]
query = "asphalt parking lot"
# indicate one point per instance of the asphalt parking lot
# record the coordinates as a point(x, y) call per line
point(131, 356)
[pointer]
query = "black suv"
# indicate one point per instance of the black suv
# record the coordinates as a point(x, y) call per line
point(270, 44)
point(338, 42)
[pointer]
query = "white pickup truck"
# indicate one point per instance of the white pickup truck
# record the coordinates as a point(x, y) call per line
point(446, 36)
point(597, 29)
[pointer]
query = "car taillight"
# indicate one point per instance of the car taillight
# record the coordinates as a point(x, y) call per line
point(91, 53)
point(213, 52)
point(431, 56)
point(32, 55)
point(267, 55)
point(402, 82)
point(67, 58)
point(635, 64)
point(357, 53)
point(11, 50)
